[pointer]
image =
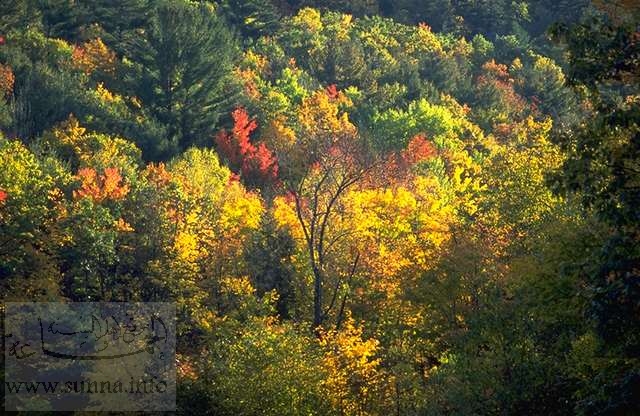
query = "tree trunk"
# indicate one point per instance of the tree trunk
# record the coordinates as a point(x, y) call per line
point(317, 297)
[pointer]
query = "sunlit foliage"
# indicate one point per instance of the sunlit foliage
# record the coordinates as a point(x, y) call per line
point(363, 207)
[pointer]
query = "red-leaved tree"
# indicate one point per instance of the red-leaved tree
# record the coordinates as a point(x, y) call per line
point(257, 165)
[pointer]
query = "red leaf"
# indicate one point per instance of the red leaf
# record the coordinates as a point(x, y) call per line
point(332, 91)
point(418, 149)
point(257, 164)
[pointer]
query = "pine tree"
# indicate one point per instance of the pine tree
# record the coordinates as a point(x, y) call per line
point(184, 59)
point(63, 18)
point(253, 18)
point(18, 14)
point(118, 19)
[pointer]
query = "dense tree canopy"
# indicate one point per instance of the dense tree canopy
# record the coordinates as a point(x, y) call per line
point(362, 207)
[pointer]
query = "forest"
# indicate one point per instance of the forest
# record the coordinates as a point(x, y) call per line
point(366, 207)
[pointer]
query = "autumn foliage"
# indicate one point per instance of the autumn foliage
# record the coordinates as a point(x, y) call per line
point(357, 208)
point(108, 186)
point(94, 55)
point(419, 149)
point(256, 163)
point(497, 86)
point(7, 80)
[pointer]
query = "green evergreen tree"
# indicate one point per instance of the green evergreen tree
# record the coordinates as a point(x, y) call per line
point(18, 14)
point(183, 62)
point(64, 19)
point(118, 19)
point(253, 18)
